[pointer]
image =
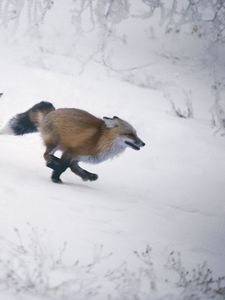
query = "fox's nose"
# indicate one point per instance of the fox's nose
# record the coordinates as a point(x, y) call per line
point(140, 142)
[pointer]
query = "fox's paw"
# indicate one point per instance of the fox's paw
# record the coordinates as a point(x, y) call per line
point(90, 177)
point(93, 177)
point(56, 179)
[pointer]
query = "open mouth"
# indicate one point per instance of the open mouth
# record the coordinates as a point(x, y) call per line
point(133, 146)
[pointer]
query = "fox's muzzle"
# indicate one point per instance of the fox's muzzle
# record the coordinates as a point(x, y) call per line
point(140, 142)
point(135, 144)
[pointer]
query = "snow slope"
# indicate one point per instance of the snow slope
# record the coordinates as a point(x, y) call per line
point(170, 195)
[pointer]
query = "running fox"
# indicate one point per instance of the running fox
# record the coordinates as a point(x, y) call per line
point(80, 136)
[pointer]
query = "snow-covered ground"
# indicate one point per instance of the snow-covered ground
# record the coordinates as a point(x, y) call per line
point(169, 195)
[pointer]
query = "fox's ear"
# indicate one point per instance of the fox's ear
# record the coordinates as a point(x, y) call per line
point(109, 122)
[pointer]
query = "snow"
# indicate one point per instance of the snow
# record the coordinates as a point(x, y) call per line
point(169, 195)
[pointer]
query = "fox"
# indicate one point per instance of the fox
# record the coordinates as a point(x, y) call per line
point(77, 134)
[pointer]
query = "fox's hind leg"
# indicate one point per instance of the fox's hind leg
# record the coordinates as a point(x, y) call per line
point(57, 164)
point(63, 163)
point(62, 166)
point(51, 160)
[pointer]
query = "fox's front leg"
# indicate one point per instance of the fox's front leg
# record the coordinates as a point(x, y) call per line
point(85, 175)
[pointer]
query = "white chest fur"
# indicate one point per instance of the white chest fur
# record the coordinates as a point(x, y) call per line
point(117, 147)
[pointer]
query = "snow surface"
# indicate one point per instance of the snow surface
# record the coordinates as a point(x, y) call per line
point(169, 195)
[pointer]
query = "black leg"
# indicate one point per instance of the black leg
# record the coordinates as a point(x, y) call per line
point(58, 165)
point(85, 175)
point(61, 167)
point(53, 162)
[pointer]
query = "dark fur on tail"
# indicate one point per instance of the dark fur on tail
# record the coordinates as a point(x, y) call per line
point(28, 121)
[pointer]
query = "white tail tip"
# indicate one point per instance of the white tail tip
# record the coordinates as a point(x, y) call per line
point(6, 129)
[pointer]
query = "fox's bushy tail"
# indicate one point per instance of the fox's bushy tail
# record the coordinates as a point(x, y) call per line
point(28, 121)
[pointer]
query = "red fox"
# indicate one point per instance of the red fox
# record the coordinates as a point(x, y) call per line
point(80, 136)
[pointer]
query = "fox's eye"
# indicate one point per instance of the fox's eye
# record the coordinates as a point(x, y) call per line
point(130, 135)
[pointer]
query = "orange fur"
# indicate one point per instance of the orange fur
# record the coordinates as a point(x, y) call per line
point(77, 132)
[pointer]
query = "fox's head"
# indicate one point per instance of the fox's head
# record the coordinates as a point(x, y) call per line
point(125, 132)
